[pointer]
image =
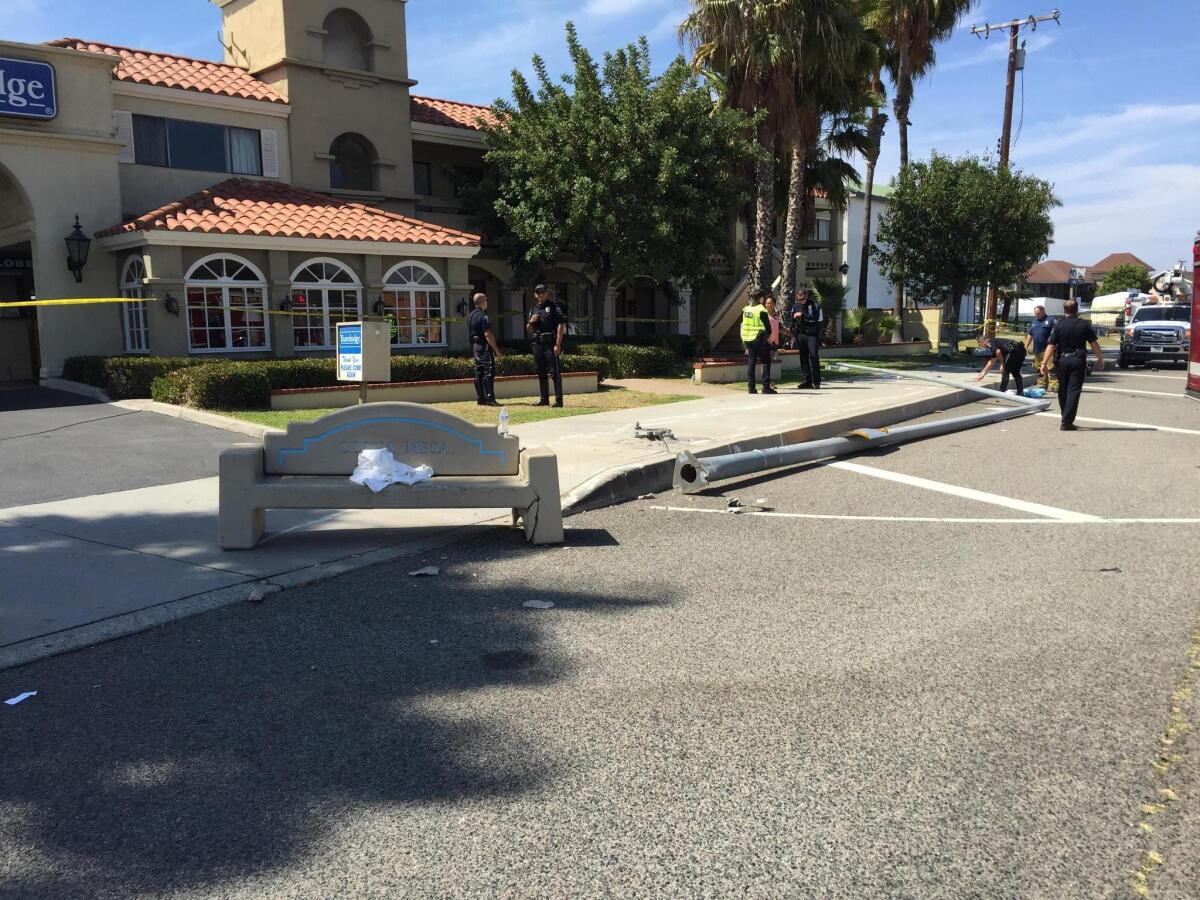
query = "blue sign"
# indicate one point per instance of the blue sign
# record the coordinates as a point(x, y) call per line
point(349, 351)
point(27, 89)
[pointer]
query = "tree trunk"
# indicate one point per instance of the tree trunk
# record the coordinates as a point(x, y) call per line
point(794, 224)
point(950, 318)
point(1007, 308)
point(900, 107)
point(603, 278)
point(764, 226)
point(875, 136)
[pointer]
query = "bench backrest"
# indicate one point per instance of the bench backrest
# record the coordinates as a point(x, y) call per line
point(416, 435)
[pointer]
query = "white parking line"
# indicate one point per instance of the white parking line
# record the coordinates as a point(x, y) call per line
point(1180, 377)
point(935, 520)
point(1115, 390)
point(1037, 509)
point(1133, 425)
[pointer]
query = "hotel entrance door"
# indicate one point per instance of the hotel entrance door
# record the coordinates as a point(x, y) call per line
point(18, 327)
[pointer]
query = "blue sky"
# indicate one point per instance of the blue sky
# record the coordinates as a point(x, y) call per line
point(1110, 108)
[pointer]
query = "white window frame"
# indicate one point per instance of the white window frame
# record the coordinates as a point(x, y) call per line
point(226, 285)
point(323, 287)
point(396, 291)
point(134, 324)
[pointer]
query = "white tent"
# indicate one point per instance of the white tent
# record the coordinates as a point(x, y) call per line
point(1115, 303)
point(1053, 306)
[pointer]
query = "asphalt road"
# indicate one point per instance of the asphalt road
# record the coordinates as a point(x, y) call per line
point(55, 445)
point(872, 704)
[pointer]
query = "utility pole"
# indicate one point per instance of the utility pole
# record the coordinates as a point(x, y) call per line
point(1016, 60)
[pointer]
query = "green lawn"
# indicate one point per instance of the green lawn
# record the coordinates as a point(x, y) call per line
point(521, 410)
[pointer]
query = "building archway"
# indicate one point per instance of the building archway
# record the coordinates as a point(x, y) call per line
point(348, 41)
point(352, 166)
point(19, 358)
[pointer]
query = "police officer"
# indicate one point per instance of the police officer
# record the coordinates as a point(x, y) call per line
point(756, 336)
point(1068, 349)
point(807, 319)
point(1010, 355)
point(1037, 338)
point(485, 350)
point(546, 328)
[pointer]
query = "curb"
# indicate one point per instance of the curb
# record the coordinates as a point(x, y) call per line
point(624, 483)
point(75, 387)
point(199, 417)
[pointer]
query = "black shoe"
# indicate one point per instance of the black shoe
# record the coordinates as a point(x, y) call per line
point(804, 387)
point(542, 403)
point(753, 390)
point(558, 403)
point(770, 390)
point(481, 403)
point(489, 403)
point(1066, 427)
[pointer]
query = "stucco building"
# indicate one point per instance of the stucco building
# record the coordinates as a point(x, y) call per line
point(253, 203)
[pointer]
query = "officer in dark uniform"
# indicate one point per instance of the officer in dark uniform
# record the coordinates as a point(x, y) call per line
point(1010, 355)
point(1068, 349)
point(807, 319)
point(546, 327)
point(485, 350)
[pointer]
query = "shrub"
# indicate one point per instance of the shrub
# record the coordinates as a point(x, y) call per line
point(125, 377)
point(630, 361)
point(172, 387)
point(235, 385)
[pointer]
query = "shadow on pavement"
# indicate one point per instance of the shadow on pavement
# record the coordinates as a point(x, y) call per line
point(231, 743)
point(40, 398)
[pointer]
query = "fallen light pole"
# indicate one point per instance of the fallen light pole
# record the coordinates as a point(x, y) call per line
point(693, 474)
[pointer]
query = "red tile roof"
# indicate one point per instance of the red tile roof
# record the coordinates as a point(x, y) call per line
point(451, 113)
point(182, 72)
point(1113, 260)
point(271, 209)
point(1050, 271)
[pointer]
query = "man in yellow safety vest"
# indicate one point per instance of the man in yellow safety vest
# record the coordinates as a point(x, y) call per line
point(756, 336)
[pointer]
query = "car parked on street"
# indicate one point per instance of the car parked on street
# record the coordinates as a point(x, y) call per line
point(1156, 334)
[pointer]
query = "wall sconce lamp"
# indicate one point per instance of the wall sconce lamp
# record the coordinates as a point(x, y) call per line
point(378, 308)
point(844, 268)
point(286, 304)
point(171, 304)
point(462, 307)
point(78, 246)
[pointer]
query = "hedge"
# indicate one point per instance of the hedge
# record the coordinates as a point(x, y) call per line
point(220, 384)
point(125, 377)
point(628, 361)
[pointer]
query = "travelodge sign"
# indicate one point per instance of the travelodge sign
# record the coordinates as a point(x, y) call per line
point(27, 89)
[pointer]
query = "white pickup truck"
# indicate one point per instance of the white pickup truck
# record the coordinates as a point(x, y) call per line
point(1155, 334)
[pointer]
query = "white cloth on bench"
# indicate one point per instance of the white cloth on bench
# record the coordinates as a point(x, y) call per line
point(378, 468)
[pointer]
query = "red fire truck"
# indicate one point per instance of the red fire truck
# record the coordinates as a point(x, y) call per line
point(1193, 382)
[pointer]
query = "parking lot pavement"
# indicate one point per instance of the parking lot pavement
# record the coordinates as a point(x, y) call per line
point(926, 694)
point(55, 445)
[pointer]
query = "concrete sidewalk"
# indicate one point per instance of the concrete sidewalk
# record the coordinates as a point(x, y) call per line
point(81, 570)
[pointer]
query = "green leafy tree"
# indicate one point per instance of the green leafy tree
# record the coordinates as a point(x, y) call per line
point(956, 223)
point(633, 175)
point(1124, 277)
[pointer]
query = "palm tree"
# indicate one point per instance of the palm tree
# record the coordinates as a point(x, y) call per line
point(835, 50)
point(750, 48)
point(875, 125)
point(910, 29)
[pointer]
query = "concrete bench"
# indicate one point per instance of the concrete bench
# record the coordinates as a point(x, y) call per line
point(309, 467)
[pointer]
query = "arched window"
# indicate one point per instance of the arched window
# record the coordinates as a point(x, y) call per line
point(133, 315)
point(347, 41)
point(325, 292)
point(353, 163)
point(226, 306)
point(415, 297)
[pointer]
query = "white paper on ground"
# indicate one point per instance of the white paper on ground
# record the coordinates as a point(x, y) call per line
point(13, 701)
point(427, 570)
point(378, 468)
point(537, 604)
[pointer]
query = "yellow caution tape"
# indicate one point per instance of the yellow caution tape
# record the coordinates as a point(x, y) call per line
point(75, 302)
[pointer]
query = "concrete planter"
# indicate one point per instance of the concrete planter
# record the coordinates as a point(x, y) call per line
point(451, 391)
point(726, 371)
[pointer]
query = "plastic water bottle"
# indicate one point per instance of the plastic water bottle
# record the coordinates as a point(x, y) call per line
point(503, 429)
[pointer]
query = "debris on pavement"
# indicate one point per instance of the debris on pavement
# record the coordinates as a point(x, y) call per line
point(648, 496)
point(1113, 569)
point(256, 595)
point(537, 604)
point(734, 503)
point(653, 434)
point(20, 698)
point(425, 570)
